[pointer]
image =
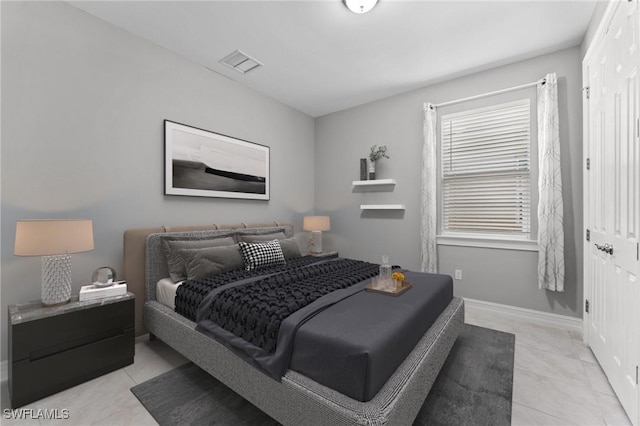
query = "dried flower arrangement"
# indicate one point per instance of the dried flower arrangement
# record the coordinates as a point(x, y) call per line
point(378, 152)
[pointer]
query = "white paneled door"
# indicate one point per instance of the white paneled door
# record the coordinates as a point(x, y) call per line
point(611, 201)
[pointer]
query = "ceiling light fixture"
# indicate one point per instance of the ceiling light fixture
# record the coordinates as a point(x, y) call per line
point(360, 6)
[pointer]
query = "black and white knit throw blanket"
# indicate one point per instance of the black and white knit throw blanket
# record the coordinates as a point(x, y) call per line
point(191, 292)
point(255, 310)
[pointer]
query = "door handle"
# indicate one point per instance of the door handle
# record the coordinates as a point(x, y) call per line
point(607, 248)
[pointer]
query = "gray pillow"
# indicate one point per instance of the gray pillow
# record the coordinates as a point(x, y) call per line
point(203, 262)
point(175, 262)
point(290, 248)
point(259, 238)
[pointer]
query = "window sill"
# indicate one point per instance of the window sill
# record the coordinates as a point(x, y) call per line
point(487, 242)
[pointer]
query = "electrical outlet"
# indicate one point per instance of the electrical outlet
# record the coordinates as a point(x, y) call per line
point(458, 274)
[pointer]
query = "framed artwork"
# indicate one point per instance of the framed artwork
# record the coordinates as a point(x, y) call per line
point(202, 163)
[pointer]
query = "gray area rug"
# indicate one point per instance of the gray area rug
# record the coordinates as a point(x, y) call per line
point(474, 387)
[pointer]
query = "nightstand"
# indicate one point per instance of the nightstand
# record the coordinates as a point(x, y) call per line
point(325, 254)
point(55, 348)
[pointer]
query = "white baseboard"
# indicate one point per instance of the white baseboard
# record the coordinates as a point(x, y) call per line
point(543, 318)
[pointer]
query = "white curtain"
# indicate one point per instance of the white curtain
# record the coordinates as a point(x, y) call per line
point(550, 230)
point(429, 207)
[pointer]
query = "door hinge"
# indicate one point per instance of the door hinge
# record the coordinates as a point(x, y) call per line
point(586, 91)
point(638, 251)
point(637, 375)
point(586, 306)
point(588, 235)
point(588, 163)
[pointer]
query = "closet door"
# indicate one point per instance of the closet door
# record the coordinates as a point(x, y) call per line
point(612, 213)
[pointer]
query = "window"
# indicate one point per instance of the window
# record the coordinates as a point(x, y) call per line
point(486, 171)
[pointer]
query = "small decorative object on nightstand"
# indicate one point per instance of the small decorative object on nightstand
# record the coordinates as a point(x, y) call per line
point(316, 224)
point(103, 276)
point(96, 291)
point(55, 348)
point(54, 240)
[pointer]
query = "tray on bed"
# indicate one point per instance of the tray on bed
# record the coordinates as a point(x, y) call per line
point(393, 292)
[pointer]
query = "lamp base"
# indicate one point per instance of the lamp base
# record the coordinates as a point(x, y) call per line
point(56, 279)
point(315, 242)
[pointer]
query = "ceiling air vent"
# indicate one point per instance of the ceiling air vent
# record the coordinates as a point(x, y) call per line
point(241, 62)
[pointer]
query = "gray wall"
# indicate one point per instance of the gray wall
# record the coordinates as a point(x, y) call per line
point(83, 105)
point(495, 275)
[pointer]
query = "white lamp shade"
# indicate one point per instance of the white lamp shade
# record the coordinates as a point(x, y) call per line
point(52, 237)
point(316, 223)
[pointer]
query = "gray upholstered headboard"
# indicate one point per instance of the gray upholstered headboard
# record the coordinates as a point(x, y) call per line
point(136, 263)
point(156, 262)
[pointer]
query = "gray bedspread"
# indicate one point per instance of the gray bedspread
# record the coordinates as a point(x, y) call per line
point(354, 346)
point(349, 340)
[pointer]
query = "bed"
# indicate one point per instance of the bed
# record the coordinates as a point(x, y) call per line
point(294, 398)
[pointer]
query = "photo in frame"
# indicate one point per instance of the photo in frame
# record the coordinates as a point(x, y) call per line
point(202, 163)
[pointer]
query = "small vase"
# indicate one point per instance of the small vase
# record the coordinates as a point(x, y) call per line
point(372, 170)
point(363, 169)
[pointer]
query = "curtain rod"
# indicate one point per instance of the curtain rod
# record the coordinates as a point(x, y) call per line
point(496, 92)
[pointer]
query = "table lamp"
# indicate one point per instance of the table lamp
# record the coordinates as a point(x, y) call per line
point(54, 240)
point(316, 224)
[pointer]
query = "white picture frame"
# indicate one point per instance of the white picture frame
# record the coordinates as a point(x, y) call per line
point(202, 163)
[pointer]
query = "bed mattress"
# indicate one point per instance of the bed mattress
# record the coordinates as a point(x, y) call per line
point(354, 346)
point(166, 292)
point(349, 340)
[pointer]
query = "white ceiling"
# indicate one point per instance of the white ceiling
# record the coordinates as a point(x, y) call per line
point(319, 57)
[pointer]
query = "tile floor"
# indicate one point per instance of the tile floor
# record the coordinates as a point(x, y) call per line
point(556, 382)
point(556, 378)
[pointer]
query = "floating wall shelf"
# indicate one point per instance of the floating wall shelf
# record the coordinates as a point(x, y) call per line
point(376, 182)
point(382, 206)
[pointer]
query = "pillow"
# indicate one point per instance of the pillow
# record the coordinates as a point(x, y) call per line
point(260, 255)
point(175, 262)
point(290, 248)
point(257, 238)
point(203, 262)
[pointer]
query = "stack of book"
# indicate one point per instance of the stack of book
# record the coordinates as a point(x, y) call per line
point(98, 291)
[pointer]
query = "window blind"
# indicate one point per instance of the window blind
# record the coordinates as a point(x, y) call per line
point(486, 174)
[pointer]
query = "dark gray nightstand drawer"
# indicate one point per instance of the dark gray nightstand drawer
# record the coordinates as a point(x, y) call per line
point(52, 349)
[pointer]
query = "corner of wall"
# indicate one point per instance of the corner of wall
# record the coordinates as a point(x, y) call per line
point(596, 19)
